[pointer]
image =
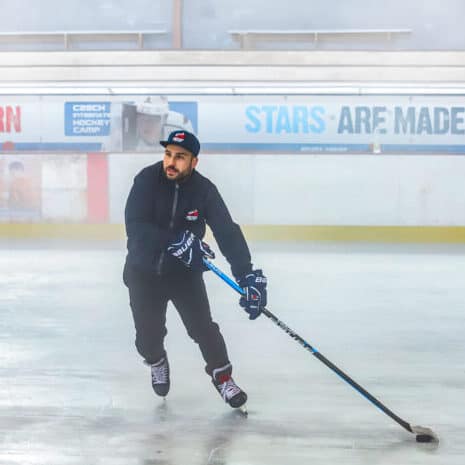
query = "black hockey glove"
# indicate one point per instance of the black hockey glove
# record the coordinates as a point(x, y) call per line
point(191, 250)
point(254, 285)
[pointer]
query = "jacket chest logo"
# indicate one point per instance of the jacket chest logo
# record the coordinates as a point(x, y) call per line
point(192, 215)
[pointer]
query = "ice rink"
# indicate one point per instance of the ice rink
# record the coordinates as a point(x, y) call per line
point(73, 389)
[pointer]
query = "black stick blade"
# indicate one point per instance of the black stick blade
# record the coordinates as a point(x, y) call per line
point(424, 434)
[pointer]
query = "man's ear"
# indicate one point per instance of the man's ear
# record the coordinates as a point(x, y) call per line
point(195, 160)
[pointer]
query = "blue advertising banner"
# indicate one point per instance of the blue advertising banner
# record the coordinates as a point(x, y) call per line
point(87, 118)
point(236, 123)
point(335, 124)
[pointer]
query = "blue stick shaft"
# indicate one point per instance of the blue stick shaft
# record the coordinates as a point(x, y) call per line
point(314, 351)
point(224, 277)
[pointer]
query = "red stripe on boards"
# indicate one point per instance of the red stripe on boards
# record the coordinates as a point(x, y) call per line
point(97, 188)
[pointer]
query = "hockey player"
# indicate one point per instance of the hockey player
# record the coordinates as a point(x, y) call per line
point(167, 210)
point(151, 118)
point(153, 121)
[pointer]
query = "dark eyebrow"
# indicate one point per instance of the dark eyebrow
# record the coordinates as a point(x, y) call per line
point(176, 153)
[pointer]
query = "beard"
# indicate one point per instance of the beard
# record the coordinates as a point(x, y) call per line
point(179, 175)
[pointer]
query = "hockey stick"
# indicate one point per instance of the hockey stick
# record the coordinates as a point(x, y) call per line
point(422, 434)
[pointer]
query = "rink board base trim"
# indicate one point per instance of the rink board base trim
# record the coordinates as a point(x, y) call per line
point(442, 234)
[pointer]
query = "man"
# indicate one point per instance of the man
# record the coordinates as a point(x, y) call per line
point(150, 120)
point(167, 210)
point(21, 193)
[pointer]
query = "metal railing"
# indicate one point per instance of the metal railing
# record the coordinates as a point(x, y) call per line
point(249, 37)
point(67, 40)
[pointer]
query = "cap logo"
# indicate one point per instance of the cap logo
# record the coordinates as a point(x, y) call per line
point(179, 137)
point(184, 139)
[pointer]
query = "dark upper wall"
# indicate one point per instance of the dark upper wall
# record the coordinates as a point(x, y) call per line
point(24, 15)
point(85, 15)
point(435, 24)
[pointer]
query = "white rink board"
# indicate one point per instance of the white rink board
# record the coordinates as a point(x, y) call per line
point(370, 190)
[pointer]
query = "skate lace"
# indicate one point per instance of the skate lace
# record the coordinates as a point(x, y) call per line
point(228, 389)
point(160, 373)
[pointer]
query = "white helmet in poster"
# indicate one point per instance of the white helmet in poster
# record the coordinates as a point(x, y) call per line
point(145, 123)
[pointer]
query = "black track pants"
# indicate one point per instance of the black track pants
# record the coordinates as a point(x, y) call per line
point(149, 296)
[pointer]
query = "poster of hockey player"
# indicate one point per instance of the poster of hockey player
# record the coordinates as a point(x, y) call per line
point(20, 188)
point(144, 124)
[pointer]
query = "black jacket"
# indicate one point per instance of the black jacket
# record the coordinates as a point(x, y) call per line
point(158, 210)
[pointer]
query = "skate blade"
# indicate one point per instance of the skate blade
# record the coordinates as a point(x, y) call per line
point(243, 410)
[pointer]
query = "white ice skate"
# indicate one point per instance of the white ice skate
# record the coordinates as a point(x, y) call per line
point(231, 393)
point(161, 377)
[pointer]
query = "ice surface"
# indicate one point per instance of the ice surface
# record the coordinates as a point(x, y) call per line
point(74, 391)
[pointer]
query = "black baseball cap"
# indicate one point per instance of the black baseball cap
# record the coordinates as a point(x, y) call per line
point(184, 139)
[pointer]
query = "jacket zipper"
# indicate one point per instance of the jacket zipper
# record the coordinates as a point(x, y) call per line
point(171, 224)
